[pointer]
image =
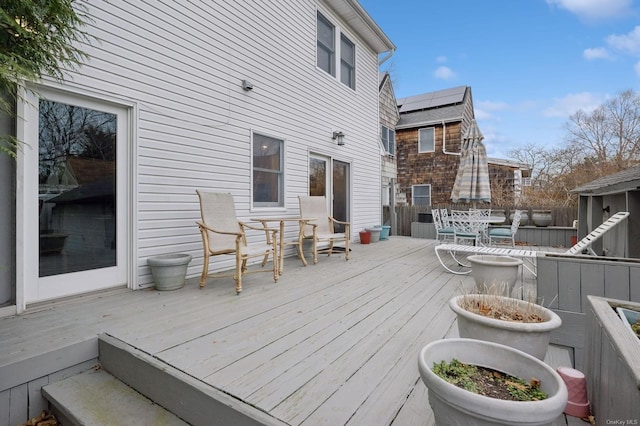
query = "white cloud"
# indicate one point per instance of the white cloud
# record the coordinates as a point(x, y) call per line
point(441, 59)
point(596, 53)
point(595, 9)
point(573, 102)
point(629, 43)
point(444, 73)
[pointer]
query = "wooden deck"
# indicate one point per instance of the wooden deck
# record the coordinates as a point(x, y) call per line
point(333, 343)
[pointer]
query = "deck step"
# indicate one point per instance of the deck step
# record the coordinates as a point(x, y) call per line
point(95, 397)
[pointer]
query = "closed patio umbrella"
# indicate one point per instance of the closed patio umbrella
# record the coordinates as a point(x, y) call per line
point(472, 181)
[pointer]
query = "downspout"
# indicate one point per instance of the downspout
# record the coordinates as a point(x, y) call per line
point(444, 140)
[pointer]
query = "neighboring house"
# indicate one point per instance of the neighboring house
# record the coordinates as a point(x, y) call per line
point(243, 97)
point(428, 140)
point(603, 197)
point(389, 116)
point(507, 179)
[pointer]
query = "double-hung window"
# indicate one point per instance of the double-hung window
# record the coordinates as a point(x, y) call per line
point(330, 48)
point(347, 62)
point(268, 171)
point(388, 139)
point(426, 140)
point(421, 195)
point(326, 52)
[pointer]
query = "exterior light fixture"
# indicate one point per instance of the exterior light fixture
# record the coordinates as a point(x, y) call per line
point(339, 137)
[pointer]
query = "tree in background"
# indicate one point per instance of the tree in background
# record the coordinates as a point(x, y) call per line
point(37, 38)
point(601, 142)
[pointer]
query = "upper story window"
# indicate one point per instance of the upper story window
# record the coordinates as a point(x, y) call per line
point(268, 171)
point(388, 139)
point(421, 195)
point(326, 52)
point(426, 140)
point(347, 62)
point(330, 47)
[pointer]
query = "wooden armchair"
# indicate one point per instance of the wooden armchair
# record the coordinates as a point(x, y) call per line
point(322, 229)
point(223, 233)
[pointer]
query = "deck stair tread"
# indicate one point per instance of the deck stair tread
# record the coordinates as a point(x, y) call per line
point(96, 397)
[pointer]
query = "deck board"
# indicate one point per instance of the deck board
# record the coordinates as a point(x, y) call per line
point(331, 343)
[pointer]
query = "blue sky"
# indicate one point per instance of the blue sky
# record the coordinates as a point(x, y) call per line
point(530, 63)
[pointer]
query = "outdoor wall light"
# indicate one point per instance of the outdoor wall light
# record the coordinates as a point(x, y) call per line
point(247, 85)
point(339, 137)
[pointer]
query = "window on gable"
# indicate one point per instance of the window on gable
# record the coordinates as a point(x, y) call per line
point(388, 139)
point(326, 45)
point(421, 195)
point(347, 62)
point(426, 140)
point(268, 171)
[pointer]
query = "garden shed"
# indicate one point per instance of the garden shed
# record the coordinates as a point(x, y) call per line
point(605, 196)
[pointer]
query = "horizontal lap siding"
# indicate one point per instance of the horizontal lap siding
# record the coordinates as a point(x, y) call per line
point(181, 65)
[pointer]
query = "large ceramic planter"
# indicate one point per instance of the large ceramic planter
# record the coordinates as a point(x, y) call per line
point(375, 234)
point(169, 271)
point(532, 338)
point(452, 405)
point(541, 217)
point(494, 273)
point(524, 217)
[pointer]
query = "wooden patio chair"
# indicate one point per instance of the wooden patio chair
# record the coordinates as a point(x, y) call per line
point(322, 228)
point(222, 233)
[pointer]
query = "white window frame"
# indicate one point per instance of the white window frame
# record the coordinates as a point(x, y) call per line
point(280, 173)
point(433, 139)
point(347, 65)
point(388, 137)
point(413, 195)
point(321, 45)
point(337, 61)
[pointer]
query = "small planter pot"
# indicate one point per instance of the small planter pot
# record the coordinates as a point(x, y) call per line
point(452, 405)
point(541, 217)
point(490, 271)
point(375, 234)
point(365, 237)
point(384, 231)
point(532, 338)
point(169, 271)
point(524, 218)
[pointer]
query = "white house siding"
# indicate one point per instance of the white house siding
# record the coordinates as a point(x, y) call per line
point(389, 116)
point(181, 65)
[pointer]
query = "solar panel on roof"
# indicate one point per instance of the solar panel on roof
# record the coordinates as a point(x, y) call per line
point(433, 99)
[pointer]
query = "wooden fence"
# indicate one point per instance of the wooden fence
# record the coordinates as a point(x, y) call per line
point(405, 214)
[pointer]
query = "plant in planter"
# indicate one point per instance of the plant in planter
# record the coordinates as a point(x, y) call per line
point(453, 405)
point(517, 323)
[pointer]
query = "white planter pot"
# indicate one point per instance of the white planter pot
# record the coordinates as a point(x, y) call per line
point(169, 271)
point(494, 272)
point(452, 405)
point(541, 217)
point(532, 338)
